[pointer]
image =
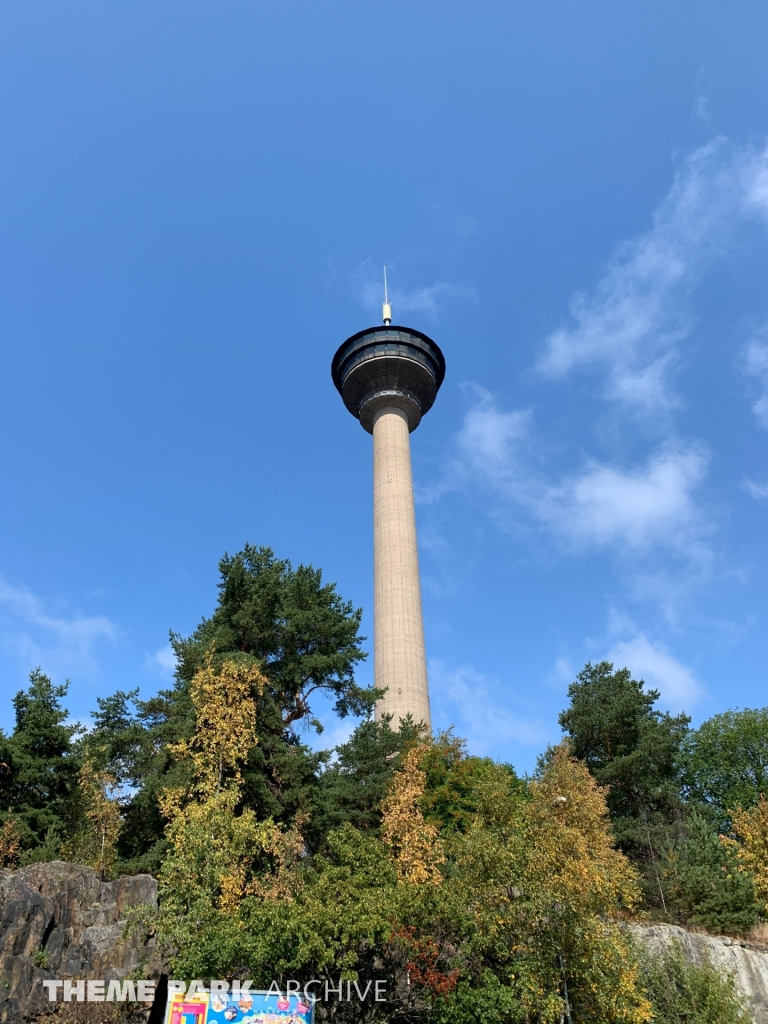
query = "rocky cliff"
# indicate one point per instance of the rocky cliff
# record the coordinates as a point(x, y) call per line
point(61, 921)
point(747, 964)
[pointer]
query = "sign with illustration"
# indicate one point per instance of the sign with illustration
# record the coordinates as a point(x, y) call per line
point(224, 1007)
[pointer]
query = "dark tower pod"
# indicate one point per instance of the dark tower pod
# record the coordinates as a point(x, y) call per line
point(388, 367)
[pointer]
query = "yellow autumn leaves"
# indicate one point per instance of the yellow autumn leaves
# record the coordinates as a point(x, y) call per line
point(414, 844)
point(212, 842)
point(751, 826)
point(546, 886)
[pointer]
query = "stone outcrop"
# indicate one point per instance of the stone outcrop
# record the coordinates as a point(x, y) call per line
point(747, 963)
point(59, 920)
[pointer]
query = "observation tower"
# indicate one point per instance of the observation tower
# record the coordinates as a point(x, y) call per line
point(388, 378)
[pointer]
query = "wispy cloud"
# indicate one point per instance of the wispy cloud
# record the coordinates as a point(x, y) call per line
point(701, 101)
point(487, 448)
point(755, 489)
point(465, 697)
point(634, 507)
point(638, 506)
point(677, 683)
point(755, 364)
point(633, 323)
point(61, 644)
point(428, 299)
point(163, 661)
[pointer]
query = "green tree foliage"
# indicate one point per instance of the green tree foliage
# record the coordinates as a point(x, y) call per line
point(624, 741)
point(305, 640)
point(352, 787)
point(303, 634)
point(39, 761)
point(725, 761)
point(631, 747)
point(704, 883)
point(523, 906)
point(94, 834)
point(685, 993)
point(452, 783)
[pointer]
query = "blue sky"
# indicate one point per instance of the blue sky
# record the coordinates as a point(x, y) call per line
point(196, 201)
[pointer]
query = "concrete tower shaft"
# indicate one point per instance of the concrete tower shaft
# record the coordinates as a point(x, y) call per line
point(400, 661)
point(388, 378)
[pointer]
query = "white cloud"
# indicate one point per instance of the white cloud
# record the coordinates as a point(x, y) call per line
point(638, 507)
point(487, 725)
point(489, 440)
point(162, 661)
point(561, 674)
point(755, 364)
point(701, 100)
point(701, 109)
point(429, 299)
point(756, 490)
point(634, 507)
point(61, 644)
point(634, 322)
point(335, 734)
point(677, 683)
point(487, 448)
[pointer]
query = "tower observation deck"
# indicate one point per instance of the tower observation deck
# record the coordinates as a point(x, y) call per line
point(388, 378)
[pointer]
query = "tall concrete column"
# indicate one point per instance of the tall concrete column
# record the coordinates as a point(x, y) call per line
point(388, 378)
point(400, 662)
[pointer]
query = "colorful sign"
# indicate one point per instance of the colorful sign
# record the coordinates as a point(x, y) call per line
point(244, 1008)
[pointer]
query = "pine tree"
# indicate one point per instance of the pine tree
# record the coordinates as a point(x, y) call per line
point(353, 787)
point(631, 747)
point(39, 761)
point(304, 640)
point(703, 882)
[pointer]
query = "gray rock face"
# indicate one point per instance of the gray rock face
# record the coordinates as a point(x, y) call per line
point(747, 964)
point(74, 922)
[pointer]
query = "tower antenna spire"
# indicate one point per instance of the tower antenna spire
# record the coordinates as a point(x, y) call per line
point(386, 308)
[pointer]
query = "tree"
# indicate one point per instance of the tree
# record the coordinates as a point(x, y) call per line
point(214, 845)
point(539, 867)
point(352, 787)
point(414, 844)
point(451, 784)
point(304, 640)
point(94, 840)
point(703, 882)
point(39, 762)
point(10, 843)
point(633, 749)
point(751, 827)
point(725, 761)
point(130, 740)
point(624, 741)
point(302, 633)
